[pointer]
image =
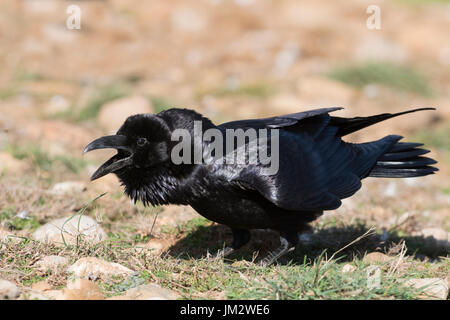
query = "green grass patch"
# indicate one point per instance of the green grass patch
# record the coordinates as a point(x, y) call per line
point(315, 277)
point(26, 75)
point(319, 281)
point(32, 280)
point(129, 235)
point(9, 218)
point(101, 96)
point(437, 137)
point(6, 93)
point(160, 103)
point(42, 160)
point(387, 74)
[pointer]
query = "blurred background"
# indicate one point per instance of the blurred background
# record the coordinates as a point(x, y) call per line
point(228, 59)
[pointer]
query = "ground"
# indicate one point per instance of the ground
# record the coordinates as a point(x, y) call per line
point(228, 60)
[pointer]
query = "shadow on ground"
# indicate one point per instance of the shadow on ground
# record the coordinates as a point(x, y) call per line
point(211, 238)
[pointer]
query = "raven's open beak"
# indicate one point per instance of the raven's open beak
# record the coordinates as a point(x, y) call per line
point(115, 163)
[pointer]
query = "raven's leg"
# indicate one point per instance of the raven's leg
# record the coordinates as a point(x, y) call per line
point(240, 238)
point(289, 240)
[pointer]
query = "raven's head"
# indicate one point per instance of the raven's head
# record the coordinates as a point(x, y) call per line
point(141, 143)
point(143, 163)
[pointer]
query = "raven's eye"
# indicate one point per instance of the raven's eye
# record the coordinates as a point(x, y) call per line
point(141, 142)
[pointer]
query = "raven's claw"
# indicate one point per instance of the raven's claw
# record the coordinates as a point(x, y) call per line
point(220, 254)
point(277, 253)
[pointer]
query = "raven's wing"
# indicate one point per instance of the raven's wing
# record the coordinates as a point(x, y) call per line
point(278, 121)
point(316, 169)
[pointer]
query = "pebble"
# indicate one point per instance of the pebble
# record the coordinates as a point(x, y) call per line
point(94, 268)
point(51, 263)
point(33, 295)
point(147, 292)
point(8, 290)
point(114, 113)
point(85, 227)
point(41, 286)
point(82, 289)
point(347, 268)
point(433, 288)
point(68, 187)
point(377, 258)
point(436, 233)
point(10, 164)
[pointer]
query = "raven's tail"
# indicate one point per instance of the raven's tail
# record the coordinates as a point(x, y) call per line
point(403, 160)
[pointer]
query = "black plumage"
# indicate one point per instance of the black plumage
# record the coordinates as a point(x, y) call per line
point(316, 169)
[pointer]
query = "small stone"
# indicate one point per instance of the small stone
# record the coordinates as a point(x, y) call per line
point(8, 290)
point(68, 187)
point(155, 245)
point(241, 264)
point(379, 48)
point(82, 289)
point(436, 233)
point(23, 215)
point(33, 295)
point(41, 286)
point(58, 33)
point(77, 227)
point(58, 104)
point(376, 257)
point(49, 133)
point(40, 8)
point(54, 294)
point(391, 189)
point(318, 91)
point(286, 58)
point(5, 235)
point(286, 103)
point(52, 263)
point(147, 292)
point(119, 298)
point(348, 268)
point(188, 20)
point(433, 288)
point(10, 164)
point(93, 268)
point(371, 91)
point(114, 113)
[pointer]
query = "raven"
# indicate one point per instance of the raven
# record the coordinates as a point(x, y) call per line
point(316, 168)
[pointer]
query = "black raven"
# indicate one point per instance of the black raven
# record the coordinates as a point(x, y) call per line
point(315, 167)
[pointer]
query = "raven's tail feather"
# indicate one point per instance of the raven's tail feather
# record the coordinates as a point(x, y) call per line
point(349, 125)
point(403, 160)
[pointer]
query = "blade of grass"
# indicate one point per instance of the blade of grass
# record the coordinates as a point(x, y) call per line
point(80, 213)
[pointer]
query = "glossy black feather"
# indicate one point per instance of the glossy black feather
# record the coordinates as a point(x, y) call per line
point(349, 125)
point(317, 169)
point(391, 156)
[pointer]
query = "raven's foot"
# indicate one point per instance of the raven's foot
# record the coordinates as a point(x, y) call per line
point(274, 255)
point(240, 238)
point(222, 253)
point(289, 240)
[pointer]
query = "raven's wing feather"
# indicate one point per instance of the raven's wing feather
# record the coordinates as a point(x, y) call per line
point(316, 168)
point(278, 121)
point(350, 125)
